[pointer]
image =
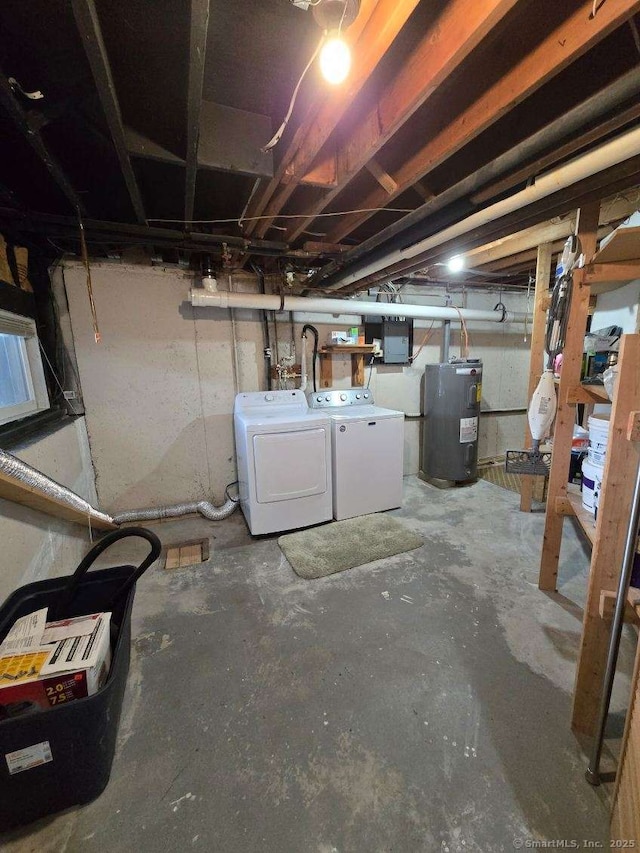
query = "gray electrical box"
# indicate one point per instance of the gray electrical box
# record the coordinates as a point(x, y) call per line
point(395, 341)
point(451, 409)
point(395, 336)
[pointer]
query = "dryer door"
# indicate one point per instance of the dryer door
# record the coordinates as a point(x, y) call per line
point(290, 465)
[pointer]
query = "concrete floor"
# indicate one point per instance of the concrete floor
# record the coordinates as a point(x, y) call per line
point(267, 713)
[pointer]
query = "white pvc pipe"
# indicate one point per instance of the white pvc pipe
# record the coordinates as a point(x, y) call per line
point(358, 308)
point(604, 157)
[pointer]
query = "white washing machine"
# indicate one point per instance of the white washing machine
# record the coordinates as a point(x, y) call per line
point(367, 449)
point(284, 461)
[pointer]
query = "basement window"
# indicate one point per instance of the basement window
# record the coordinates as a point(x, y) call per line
point(23, 390)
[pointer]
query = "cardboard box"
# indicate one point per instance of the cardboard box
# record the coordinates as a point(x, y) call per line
point(45, 664)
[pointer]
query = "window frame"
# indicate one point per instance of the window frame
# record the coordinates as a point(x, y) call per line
point(23, 327)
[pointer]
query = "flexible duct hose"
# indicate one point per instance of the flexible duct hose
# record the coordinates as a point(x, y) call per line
point(205, 508)
point(34, 479)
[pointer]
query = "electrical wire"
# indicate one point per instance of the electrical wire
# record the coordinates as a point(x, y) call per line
point(227, 495)
point(464, 335)
point(285, 216)
point(426, 338)
point(373, 358)
point(277, 136)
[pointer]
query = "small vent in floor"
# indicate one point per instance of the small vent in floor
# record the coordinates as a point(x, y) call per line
point(187, 554)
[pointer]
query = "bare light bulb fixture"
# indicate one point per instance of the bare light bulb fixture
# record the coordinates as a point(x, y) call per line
point(456, 264)
point(335, 59)
point(334, 16)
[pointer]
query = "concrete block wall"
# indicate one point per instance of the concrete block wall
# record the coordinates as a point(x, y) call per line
point(159, 389)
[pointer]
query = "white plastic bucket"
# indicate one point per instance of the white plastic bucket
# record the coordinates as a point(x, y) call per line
point(598, 438)
point(591, 483)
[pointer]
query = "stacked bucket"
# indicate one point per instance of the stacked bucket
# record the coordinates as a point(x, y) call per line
point(593, 465)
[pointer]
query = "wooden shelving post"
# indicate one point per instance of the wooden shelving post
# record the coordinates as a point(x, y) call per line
point(543, 276)
point(608, 545)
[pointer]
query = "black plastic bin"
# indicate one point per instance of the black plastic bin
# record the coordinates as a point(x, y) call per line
point(81, 735)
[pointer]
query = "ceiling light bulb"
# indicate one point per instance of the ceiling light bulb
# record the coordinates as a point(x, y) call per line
point(456, 264)
point(335, 60)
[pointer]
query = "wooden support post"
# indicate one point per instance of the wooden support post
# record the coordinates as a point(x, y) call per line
point(608, 546)
point(570, 376)
point(543, 276)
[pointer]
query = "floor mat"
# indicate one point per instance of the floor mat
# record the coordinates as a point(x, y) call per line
point(498, 476)
point(341, 545)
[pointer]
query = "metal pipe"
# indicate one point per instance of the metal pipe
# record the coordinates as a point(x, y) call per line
point(446, 340)
point(205, 508)
point(593, 770)
point(605, 156)
point(355, 307)
point(234, 345)
point(19, 470)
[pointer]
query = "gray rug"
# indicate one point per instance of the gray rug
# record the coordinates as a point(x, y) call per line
point(330, 548)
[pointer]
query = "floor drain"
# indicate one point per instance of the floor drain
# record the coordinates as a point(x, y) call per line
point(187, 554)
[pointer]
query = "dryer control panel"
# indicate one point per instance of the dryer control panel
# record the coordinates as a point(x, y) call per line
point(328, 398)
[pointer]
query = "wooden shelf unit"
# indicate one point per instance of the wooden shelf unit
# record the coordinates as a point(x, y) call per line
point(357, 353)
point(607, 536)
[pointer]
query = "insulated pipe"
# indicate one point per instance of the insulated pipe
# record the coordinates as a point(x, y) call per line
point(37, 481)
point(593, 771)
point(205, 508)
point(604, 157)
point(310, 305)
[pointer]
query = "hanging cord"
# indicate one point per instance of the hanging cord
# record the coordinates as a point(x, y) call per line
point(277, 136)
point(316, 338)
point(371, 361)
point(85, 260)
point(558, 318)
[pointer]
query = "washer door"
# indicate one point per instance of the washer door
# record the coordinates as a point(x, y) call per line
point(290, 465)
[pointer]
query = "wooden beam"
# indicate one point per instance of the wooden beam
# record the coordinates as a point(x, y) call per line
point(543, 278)
point(90, 31)
point(19, 118)
point(565, 416)
point(558, 49)
point(459, 28)
point(601, 273)
point(371, 35)
point(383, 178)
point(199, 22)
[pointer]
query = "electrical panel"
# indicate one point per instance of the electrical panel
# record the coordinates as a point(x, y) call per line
point(395, 336)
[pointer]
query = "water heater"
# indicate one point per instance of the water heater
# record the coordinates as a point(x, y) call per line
point(451, 410)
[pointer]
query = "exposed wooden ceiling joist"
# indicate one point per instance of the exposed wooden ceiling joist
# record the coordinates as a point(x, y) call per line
point(88, 24)
point(446, 44)
point(197, 52)
point(19, 118)
point(372, 33)
point(565, 43)
point(618, 178)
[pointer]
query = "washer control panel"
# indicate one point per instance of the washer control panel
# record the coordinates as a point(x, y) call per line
point(348, 397)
